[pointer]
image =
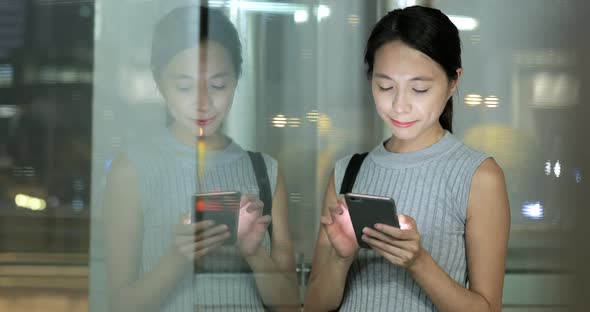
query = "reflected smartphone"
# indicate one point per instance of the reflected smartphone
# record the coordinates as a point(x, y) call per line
point(220, 207)
point(367, 210)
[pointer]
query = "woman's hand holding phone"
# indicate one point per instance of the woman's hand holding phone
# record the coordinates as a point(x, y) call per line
point(252, 225)
point(400, 246)
point(338, 227)
point(195, 240)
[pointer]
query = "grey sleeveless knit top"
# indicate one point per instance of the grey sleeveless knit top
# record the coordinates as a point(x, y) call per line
point(167, 172)
point(430, 185)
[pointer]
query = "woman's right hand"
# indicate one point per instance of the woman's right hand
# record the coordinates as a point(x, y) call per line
point(195, 240)
point(339, 230)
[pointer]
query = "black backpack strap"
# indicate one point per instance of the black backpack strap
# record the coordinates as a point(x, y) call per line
point(263, 184)
point(352, 170)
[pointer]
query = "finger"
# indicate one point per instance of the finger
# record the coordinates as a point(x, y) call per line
point(219, 229)
point(402, 244)
point(264, 219)
point(389, 257)
point(373, 233)
point(390, 249)
point(211, 241)
point(406, 222)
point(184, 240)
point(409, 234)
point(191, 229)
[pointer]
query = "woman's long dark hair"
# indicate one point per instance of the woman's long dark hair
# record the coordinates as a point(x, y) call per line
point(185, 27)
point(426, 30)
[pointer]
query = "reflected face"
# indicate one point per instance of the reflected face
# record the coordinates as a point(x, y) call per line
point(199, 85)
point(410, 91)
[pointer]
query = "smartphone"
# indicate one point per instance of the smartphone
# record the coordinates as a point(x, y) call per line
point(367, 210)
point(220, 207)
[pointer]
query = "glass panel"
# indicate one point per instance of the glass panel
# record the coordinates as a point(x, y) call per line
point(77, 90)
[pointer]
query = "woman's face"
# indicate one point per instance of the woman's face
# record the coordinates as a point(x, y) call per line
point(410, 91)
point(198, 85)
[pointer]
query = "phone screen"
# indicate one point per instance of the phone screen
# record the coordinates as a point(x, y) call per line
point(220, 207)
point(367, 210)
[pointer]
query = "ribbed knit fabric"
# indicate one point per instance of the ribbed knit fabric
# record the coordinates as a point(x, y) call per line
point(168, 179)
point(432, 186)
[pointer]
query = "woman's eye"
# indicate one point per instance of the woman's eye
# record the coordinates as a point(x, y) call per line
point(420, 90)
point(183, 88)
point(218, 87)
point(384, 89)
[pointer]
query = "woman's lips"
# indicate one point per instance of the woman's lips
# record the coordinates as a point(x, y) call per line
point(204, 122)
point(401, 124)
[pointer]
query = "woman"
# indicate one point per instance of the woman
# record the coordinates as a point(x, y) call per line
point(454, 212)
point(152, 246)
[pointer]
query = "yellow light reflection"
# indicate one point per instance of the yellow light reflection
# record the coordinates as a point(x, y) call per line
point(294, 122)
point(29, 202)
point(353, 20)
point(492, 101)
point(279, 121)
point(313, 116)
point(473, 99)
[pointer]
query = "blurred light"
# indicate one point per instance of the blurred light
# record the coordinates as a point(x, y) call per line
point(107, 164)
point(23, 171)
point(300, 16)
point(322, 12)
point(6, 75)
point(295, 197)
point(97, 21)
point(8, 111)
point(116, 142)
point(555, 90)
point(279, 121)
point(68, 75)
point(64, 2)
point(533, 210)
point(142, 87)
point(548, 168)
point(491, 101)
point(78, 185)
point(259, 6)
point(473, 99)
point(294, 122)
point(108, 114)
point(65, 75)
point(48, 74)
point(353, 20)
point(313, 116)
point(306, 54)
point(29, 202)
point(557, 169)
point(578, 175)
point(545, 57)
point(464, 22)
point(475, 39)
point(77, 204)
point(324, 124)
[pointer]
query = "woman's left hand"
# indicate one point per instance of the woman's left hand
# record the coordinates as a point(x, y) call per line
point(252, 225)
point(399, 246)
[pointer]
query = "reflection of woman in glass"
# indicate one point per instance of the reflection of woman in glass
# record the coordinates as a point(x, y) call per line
point(151, 248)
point(452, 200)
